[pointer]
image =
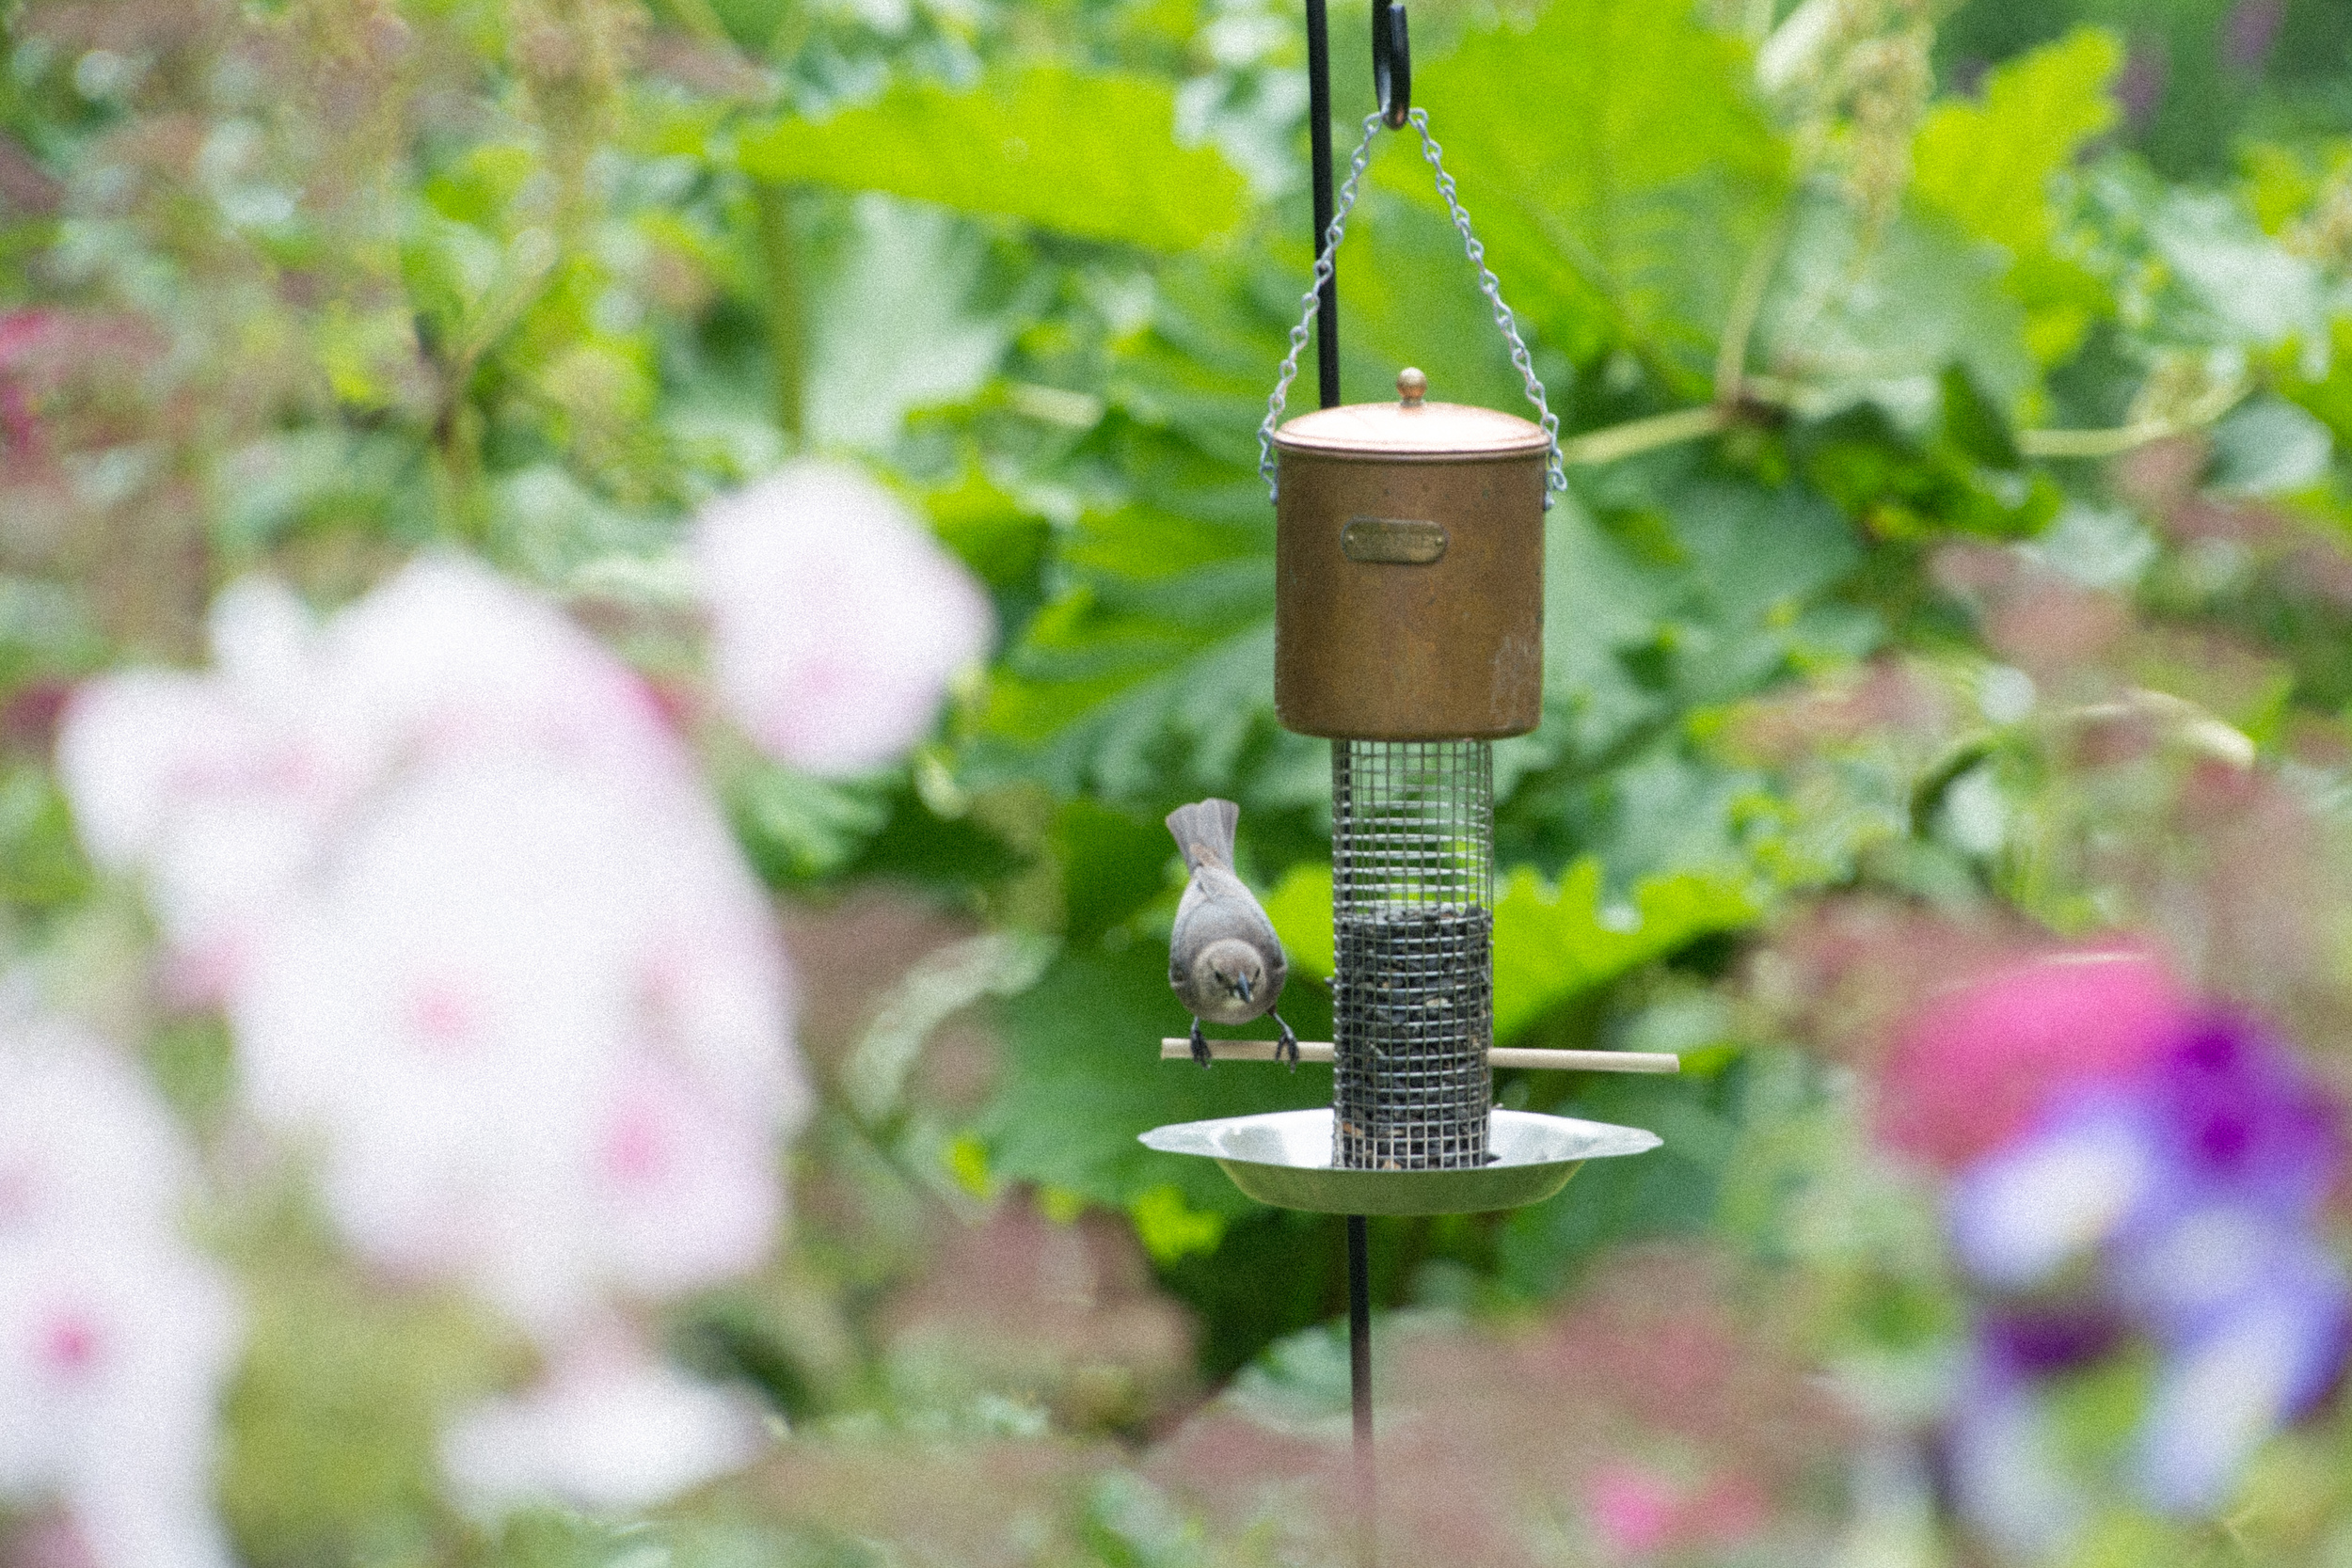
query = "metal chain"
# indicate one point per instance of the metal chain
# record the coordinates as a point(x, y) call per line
point(1555, 470)
point(1325, 260)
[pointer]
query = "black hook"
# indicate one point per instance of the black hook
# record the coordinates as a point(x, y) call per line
point(1391, 63)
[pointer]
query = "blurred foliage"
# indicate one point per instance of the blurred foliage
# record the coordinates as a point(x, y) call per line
point(308, 285)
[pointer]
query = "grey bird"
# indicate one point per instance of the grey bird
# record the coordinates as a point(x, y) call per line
point(1223, 957)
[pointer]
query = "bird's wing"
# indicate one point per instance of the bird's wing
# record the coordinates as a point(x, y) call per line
point(1188, 910)
point(1238, 907)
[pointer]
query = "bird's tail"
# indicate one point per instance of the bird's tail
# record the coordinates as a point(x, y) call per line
point(1204, 832)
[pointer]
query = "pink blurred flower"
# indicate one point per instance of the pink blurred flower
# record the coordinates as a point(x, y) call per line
point(226, 789)
point(538, 1023)
point(219, 788)
point(1975, 1067)
point(1669, 1401)
point(1633, 1509)
point(487, 947)
point(1642, 1512)
point(449, 661)
point(114, 1338)
point(611, 1430)
point(1065, 1315)
point(836, 620)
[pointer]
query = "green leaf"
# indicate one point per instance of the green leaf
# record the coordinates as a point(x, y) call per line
point(1554, 942)
point(1669, 1191)
point(797, 828)
point(1622, 175)
point(1151, 675)
point(1300, 908)
point(896, 324)
point(2269, 447)
point(1168, 1229)
point(1112, 865)
point(1988, 166)
point(2239, 285)
point(1876, 318)
point(1093, 155)
point(41, 865)
point(44, 631)
point(1082, 1077)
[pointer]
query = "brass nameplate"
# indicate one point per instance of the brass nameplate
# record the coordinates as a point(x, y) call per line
point(1391, 541)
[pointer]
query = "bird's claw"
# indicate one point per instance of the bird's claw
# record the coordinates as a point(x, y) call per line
point(1200, 1044)
point(1285, 1044)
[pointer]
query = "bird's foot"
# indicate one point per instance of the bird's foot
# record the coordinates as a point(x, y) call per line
point(1285, 1044)
point(1200, 1044)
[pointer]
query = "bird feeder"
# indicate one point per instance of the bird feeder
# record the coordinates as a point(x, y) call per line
point(1409, 632)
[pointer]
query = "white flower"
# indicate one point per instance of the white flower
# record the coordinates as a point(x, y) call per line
point(539, 1023)
point(114, 1338)
point(85, 1147)
point(485, 943)
point(224, 789)
point(218, 788)
point(449, 661)
point(610, 1432)
point(836, 621)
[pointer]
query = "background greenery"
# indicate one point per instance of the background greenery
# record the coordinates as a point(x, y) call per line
point(1830, 313)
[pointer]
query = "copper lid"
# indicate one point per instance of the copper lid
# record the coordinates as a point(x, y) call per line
point(1410, 429)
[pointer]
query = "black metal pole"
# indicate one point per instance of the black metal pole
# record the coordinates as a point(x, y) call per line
point(1328, 384)
point(1360, 1388)
point(1319, 137)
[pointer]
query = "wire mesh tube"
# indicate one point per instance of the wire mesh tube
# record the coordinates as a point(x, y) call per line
point(1412, 908)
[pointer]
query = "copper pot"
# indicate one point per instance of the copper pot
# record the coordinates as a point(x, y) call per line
point(1409, 571)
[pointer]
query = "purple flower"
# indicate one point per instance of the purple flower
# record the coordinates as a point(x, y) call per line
point(2176, 1205)
point(2019, 1215)
point(2038, 1342)
point(2243, 1119)
point(2248, 1372)
point(2181, 1278)
point(2140, 88)
point(2223, 1121)
point(2001, 1459)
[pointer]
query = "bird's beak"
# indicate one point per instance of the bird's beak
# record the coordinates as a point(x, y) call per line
point(1242, 986)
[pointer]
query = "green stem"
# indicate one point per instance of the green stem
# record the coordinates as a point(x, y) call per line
point(787, 335)
point(2139, 432)
point(2093, 443)
point(1609, 444)
point(459, 443)
point(1747, 307)
point(1637, 436)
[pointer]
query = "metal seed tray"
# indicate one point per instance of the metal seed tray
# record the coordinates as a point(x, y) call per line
point(1283, 1158)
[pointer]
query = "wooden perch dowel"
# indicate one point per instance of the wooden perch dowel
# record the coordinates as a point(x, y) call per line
point(1176, 1048)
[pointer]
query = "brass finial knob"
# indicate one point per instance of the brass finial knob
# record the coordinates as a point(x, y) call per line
point(1410, 386)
